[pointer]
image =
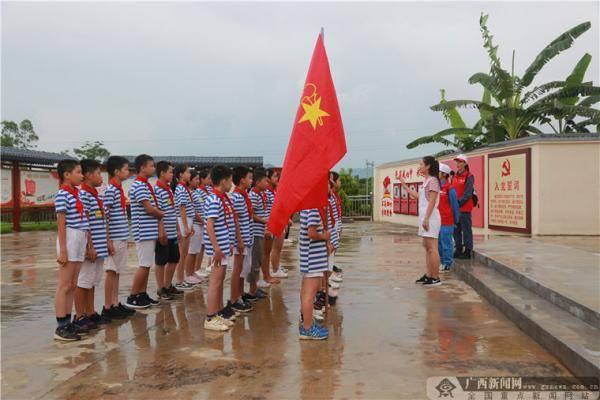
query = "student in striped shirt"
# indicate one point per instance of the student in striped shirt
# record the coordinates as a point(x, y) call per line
point(259, 201)
point(314, 247)
point(91, 270)
point(219, 216)
point(115, 212)
point(277, 270)
point(185, 218)
point(268, 279)
point(337, 184)
point(73, 230)
point(204, 190)
point(332, 225)
point(195, 246)
point(242, 253)
point(145, 215)
point(166, 254)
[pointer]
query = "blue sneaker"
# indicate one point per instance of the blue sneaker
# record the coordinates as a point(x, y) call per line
point(313, 333)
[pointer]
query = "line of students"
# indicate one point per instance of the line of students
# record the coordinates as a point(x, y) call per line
point(173, 222)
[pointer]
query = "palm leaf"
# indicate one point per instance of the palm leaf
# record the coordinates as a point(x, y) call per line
point(576, 78)
point(447, 105)
point(540, 90)
point(589, 101)
point(587, 112)
point(580, 90)
point(452, 115)
point(533, 129)
point(440, 137)
point(555, 47)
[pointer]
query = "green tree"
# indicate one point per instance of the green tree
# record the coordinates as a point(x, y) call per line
point(92, 150)
point(510, 109)
point(20, 135)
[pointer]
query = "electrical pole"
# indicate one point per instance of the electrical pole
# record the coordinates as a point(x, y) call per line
point(369, 177)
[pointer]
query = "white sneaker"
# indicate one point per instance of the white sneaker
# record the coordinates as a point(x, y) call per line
point(441, 267)
point(215, 324)
point(279, 274)
point(336, 277)
point(193, 280)
point(201, 274)
point(318, 315)
point(284, 269)
point(263, 284)
point(333, 284)
point(184, 286)
point(226, 322)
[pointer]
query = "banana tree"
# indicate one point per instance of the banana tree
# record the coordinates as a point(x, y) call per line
point(512, 110)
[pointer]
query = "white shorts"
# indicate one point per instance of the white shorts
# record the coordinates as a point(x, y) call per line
point(196, 240)
point(435, 224)
point(145, 253)
point(331, 262)
point(76, 244)
point(190, 223)
point(313, 275)
point(118, 261)
point(224, 261)
point(90, 273)
point(247, 263)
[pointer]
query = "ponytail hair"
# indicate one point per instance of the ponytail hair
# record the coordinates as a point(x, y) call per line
point(434, 167)
point(179, 169)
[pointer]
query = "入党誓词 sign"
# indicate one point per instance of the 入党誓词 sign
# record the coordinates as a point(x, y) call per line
point(509, 191)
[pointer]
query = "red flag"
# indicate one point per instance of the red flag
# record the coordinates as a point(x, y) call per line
point(316, 145)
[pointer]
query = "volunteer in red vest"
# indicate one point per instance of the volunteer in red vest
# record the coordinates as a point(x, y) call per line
point(463, 182)
point(449, 213)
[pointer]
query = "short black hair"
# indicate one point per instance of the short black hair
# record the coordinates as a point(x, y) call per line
point(140, 161)
point(259, 173)
point(204, 173)
point(115, 163)
point(240, 173)
point(219, 173)
point(65, 166)
point(88, 166)
point(162, 166)
point(334, 176)
point(271, 172)
point(193, 174)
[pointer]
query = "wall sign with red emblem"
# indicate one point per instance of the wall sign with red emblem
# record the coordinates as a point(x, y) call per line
point(509, 191)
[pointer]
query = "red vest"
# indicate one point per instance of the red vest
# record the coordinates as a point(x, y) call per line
point(444, 206)
point(458, 183)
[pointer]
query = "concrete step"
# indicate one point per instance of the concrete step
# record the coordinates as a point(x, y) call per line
point(574, 342)
point(568, 278)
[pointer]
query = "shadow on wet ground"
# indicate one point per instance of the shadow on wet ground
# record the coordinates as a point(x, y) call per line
point(387, 335)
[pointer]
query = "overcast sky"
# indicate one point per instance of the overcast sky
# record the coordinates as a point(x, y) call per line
point(225, 78)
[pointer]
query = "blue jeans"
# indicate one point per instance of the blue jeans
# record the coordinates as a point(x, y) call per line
point(445, 245)
point(463, 234)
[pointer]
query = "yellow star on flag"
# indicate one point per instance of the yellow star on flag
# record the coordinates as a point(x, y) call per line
point(313, 113)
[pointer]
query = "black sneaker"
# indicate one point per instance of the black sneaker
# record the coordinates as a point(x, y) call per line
point(337, 269)
point(261, 294)
point(227, 313)
point(137, 301)
point(80, 326)
point(249, 297)
point(66, 334)
point(150, 300)
point(332, 300)
point(241, 306)
point(422, 279)
point(126, 311)
point(100, 319)
point(113, 313)
point(458, 253)
point(174, 291)
point(467, 255)
point(164, 294)
point(432, 282)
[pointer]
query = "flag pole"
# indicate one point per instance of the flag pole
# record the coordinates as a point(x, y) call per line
point(323, 34)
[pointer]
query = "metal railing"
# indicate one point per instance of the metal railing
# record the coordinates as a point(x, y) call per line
point(358, 207)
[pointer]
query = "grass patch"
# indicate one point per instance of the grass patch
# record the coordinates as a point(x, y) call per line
point(6, 227)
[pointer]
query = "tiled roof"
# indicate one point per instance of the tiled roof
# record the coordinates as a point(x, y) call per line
point(27, 156)
point(207, 161)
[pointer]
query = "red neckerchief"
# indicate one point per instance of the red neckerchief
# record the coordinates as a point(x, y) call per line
point(204, 189)
point(166, 187)
point(75, 193)
point(93, 192)
point(247, 198)
point(149, 186)
point(187, 189)
point(338, 203)
point(263, 197)
point(270, 189)
point(227, 206)
point(119, 187)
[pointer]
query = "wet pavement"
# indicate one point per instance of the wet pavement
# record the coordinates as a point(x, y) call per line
point(387, 335)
